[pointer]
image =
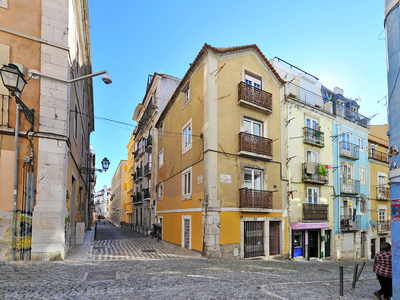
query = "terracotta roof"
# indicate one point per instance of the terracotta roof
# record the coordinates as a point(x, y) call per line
point(217, 50)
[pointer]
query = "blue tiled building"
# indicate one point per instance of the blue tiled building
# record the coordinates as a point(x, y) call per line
point(351, 180)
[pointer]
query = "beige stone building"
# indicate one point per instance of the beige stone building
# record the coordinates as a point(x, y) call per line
point(50, 38)
point(117, 200)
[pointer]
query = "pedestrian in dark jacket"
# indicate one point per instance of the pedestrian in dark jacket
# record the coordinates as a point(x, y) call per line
point(383, 269)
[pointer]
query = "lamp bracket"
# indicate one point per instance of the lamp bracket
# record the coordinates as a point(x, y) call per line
point(29, 113)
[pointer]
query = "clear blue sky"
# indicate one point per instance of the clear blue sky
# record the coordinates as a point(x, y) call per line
point(341, 42)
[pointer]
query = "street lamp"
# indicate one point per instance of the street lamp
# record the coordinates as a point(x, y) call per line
point(14, 81)
point(105, 163)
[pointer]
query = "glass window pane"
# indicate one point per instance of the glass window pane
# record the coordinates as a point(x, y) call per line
point(257, 179)
point(257, 129)
point(247, 126)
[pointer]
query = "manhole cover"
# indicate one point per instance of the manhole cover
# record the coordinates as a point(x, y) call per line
point(101, 275)
point(149, 250)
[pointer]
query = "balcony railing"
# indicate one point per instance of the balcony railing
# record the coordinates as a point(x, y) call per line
point(382, 193)
point(147, 169)
point(348, 223)
point(315, 173)
point(149, 143)
point(146, 193)
point(250, 198)
point(315, 212)
point(378, 155)
point(257, 98)
point(314, 137)
point(351, 116)
point(383, 227)
point(349, 186)
point(138, 174)
point(349, 150)
point(249, 143)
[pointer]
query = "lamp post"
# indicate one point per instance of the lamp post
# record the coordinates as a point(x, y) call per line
point(105, 163)
point(14, 81)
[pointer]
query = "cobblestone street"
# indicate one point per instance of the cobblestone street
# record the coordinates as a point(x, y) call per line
point(122, 264)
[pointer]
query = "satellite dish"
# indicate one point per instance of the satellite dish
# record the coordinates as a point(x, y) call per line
point(363, 198)
point(373, 223)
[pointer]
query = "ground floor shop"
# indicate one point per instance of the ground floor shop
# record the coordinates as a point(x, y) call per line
point(311, 240)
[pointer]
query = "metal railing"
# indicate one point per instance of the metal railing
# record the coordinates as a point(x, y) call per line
point(349, 186)
point(315, 212)
point(255, 96)
point(146, 193)
point(314, 136)
point(147, 169)
point(317, 176)
point(378, 155)
point(349, 150)
point(383, 227)
point(352, 116)
point(250, 198)
point(350, 223)
point(255, 144)
point(382, 193)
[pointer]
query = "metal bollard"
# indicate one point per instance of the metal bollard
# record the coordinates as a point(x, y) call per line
point(341, 279)
point(353, 285)
point(361, 269)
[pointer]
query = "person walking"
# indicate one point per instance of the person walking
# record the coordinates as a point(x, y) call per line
point(383, 269)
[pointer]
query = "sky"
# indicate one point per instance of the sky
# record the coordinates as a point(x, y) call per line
point(341, 42)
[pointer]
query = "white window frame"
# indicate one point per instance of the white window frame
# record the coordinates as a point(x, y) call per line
point(253, 170)
point(253, 80)
point(350, 207)
point(363, 179)
point(314, 190)
point(187, 184)
point(383, 209)
point(363, 204)
point(185, 136)
point(161, 191)
point(252, 122)
point(311, 122)
point(183, 231)
point(186, 95)
point(161, 159)
point(360, 138)
point(313, 152)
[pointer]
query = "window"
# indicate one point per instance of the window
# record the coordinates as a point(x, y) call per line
point(187, 136)
point(311, 123)
point(161, 130)
point(186, 94)
point(346, 139)
point(76, 122)
point(187, 184)
point(313, 195)
point(252, 127)
point(347, 208)
point(253, 179)
point(161, 159)
point(362, 175)
point(161, 191)
point(363, 206)
point(312, 156)
point(347, 171)
point(252, 80)
point(382, 215)
point(361, 143)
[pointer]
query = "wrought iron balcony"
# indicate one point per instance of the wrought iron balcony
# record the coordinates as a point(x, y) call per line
point(146, 193)
point(349, 150)
point(349, 186)
point(351, 116)
point(138, 174)
point(147, 169)
point(313, 137)
point(149, 144)
point(139, 197)
point(136, 154)
point(378, 155)
point(254, 145)
point(348, 223)
point(382, 193)
point(250, 198)
point(383, 227)
point(315, 212)
point(253, 97)
point(315, 173)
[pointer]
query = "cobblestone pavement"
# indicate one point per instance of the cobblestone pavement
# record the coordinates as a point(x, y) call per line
point(126, 272)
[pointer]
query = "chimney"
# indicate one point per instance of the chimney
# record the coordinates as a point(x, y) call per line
point(338, 90)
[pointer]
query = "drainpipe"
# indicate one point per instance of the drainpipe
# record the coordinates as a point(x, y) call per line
point(14, 230)
point(338, 181)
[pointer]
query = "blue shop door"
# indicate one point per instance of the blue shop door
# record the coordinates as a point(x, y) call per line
point(298, 242)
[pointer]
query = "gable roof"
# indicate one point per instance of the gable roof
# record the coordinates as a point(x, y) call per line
point(219, 51)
